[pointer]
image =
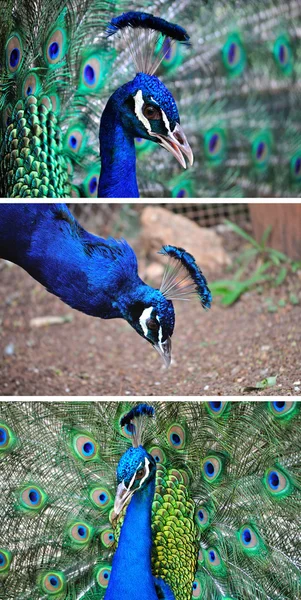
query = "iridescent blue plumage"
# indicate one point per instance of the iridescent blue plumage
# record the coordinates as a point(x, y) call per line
point(143, 20)
point(96, 276)
point(142, 108)
point(131, 576)
point(121, 124)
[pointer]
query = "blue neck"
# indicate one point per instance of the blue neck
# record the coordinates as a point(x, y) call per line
point(118, 156)
point(131, 576)
point(52, 247)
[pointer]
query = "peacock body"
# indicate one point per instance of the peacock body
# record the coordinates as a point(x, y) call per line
point(96, 276)
point(207, 507)
point(70, 91)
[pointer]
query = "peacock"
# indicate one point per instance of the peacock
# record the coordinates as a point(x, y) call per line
point(175, 501)
point(92, 89)
point(96, 276)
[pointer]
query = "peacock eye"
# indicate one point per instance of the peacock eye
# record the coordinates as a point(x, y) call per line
point(140, 474)
point(152, 324)
point(150, 112)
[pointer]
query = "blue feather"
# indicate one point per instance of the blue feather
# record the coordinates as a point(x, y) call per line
point(146, 21)
point(137, 411)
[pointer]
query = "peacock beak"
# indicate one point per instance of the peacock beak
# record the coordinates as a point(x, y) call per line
point(164, 349)
point(122, 496)
point(176, 143)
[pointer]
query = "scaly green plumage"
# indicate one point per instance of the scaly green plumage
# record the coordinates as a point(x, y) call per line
point(232, 536)
point(237, 88)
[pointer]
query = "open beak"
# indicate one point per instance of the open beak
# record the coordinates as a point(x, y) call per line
point(164, 349)
point(176, 143)
point(122, 496)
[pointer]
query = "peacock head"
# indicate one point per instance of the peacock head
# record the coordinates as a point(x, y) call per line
point(148, 110)
point(146, 107)
point(153, 317)
point(136, 468)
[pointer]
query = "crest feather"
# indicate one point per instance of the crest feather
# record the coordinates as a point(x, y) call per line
point(148, 38)
point(183, 278)
point(135, 420)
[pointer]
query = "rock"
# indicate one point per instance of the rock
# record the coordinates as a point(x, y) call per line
point(9, 350)
point(154, 271)
point(161, 226)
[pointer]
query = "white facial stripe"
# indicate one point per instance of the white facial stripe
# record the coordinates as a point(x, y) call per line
point(166, 121)
point(138, 110)
point(144, 317)
point(146, 461)
point(160, 335)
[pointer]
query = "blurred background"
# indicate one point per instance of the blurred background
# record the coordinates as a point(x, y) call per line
point(246, 344)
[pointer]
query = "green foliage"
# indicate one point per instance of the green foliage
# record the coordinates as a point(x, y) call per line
point(270, 265)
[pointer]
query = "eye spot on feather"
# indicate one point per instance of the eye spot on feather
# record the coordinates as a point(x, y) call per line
point(215, 145)
point(196, 588)
point(213, 557)
point(85, 447)
point(80, 533)
point(176, 437)
point(262, 150)
point(277, 483)
point(283, 55)
point(14, 53)
point(56, 47)
point(75, 140)
point(211, 468)
point(282, 408)
point(5, 560)
point(184, 189)
point(94, 72)
point(103, 576)
point(295, 167)
point(32, 497)
point(158, 455)
point(7, 438)
point(250, 540)
point(213, 561)
point(107, 537)
point(101, 497)
point(89, 74)
point(234, 56)
point(93, 185)
point(31, 85)
point(128, 430)
point(202, 518)
point(216, 407)
point(53, 582)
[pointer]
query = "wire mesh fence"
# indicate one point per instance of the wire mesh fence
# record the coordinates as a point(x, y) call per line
point(116, 218)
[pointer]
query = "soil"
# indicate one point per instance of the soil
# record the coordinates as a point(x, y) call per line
point(215, 353)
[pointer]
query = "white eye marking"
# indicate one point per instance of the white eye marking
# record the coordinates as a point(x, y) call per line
point(166, 121)
point(144, 317)
point(160, 335)
point(147, 463)
point(139, 102)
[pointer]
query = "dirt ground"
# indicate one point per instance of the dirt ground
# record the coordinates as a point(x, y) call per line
point(218, 352)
